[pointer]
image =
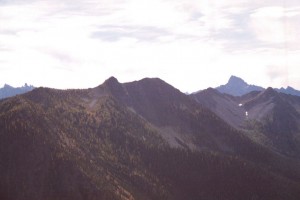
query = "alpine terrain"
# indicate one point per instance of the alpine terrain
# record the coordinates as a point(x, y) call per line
point(267, 117)
point(147, 140)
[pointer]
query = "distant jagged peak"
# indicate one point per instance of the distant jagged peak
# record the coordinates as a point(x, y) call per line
point(234, 80)
point(25, 86)
point(7, 86)
point(289, 90)
point(238, 87)
point(8, 91)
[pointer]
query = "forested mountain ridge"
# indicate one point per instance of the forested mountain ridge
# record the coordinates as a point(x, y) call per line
point(138, 140)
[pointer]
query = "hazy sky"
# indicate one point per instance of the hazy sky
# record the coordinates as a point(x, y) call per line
point(190, 44)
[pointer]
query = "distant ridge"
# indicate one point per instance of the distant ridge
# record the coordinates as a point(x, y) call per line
point(289, 90)
point(238, 87)
point(9, 91)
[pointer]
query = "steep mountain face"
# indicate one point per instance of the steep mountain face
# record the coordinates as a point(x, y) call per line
point(269, 117)
point(276, 116)
point(138, 140)
point(225, 106)
point(237, 87)
point(9, 91)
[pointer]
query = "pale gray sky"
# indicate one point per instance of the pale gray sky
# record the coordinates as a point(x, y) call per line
point(190, 44)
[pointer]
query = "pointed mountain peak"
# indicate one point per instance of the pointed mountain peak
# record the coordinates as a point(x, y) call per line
point(237, 87)
point(291, 90)
point(114, 87)
point(234, 80)
point(269, 92)
point(111, 81)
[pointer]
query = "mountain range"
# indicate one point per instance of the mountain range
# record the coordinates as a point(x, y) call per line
point(147, 140)
point(9, 91)
point(238, 87)
point(267, 117)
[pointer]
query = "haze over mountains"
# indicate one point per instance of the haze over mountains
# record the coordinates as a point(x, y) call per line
point(147, 140)
point(9, 91)
point(238, 87)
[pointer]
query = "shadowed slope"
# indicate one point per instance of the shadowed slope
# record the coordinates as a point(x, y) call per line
point(271, 118)
point(107, 143)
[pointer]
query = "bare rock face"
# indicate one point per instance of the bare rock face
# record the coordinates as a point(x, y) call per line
point(237, 87)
